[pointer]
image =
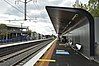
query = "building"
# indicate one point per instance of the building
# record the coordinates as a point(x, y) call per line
point(13, 33)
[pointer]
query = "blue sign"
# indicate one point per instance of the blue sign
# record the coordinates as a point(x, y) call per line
point(62, 52)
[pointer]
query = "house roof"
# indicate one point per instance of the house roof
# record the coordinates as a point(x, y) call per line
point(16, 26)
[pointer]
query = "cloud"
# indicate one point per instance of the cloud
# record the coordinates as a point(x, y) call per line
point(34, 10)
point(39, 27)
point(55, 2)
point(31, 7)
point(12, 11)
point(8, 17)
point(3, 6)
point(67, 3)
point(36, 6)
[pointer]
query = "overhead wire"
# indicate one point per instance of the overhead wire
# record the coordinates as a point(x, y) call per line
point(37, 6)
point(13, 6)
point(16, 8)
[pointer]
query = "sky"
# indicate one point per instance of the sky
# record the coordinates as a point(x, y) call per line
point(38, 19)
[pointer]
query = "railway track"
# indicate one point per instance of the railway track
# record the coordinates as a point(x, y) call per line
point(20, 54)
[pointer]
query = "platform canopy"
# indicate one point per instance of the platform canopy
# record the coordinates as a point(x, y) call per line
point(65, 19)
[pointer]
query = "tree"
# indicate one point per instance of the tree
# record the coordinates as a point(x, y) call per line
point(29, 32)
point(80, 5)
point(2, 26)
point(3, 29)
point(94, 7)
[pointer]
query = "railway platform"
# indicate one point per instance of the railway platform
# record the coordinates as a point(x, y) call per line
point(60, 55)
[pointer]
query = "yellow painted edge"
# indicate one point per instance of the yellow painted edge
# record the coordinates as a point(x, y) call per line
point(47, 60)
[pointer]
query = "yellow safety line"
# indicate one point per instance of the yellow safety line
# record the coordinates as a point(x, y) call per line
point(44, 60)
point(47, 56)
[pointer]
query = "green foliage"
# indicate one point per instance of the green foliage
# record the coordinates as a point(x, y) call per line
point(93, 2)
point(81, 5)
point(3, 29)
point(94, 12)
point(3, 26)
point(92, 7)
point(29, 32)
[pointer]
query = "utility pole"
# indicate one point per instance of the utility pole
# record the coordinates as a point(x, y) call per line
point(25, 9)
point(25, 6)
point(21, 30)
